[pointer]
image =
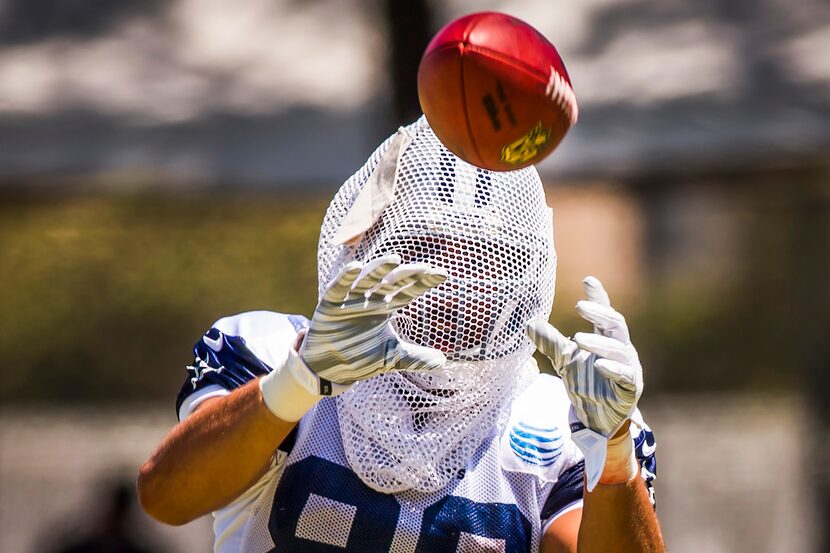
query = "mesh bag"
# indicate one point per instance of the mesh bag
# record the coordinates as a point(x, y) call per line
point(492, 232)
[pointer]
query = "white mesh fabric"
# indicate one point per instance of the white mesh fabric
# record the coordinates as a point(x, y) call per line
point(485, 481)
point(492, 232)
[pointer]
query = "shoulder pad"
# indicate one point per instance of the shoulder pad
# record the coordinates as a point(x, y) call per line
point(267, 334)
point(239, 348)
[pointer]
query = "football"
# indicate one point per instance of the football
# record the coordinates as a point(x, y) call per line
point(495, 91)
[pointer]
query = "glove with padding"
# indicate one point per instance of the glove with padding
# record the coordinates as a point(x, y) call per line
point(601, 372)
point(350, 337)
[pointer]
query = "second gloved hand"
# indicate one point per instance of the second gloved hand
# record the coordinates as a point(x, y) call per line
point(601, 371)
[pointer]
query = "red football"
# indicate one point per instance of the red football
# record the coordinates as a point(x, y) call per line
point(495, 91)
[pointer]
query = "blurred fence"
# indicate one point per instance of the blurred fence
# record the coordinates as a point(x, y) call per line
point(731, 474)
point(107, 293)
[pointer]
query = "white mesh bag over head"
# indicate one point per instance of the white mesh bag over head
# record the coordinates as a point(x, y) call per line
point(492, 232)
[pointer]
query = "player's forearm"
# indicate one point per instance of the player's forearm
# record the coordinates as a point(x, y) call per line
point(620, 518)
point(210, 458)
point(618, 515)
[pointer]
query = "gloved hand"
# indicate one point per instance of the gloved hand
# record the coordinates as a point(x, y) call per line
point(603, 379)
point(350, 337)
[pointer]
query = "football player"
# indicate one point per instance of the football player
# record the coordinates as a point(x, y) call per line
point(408, 415)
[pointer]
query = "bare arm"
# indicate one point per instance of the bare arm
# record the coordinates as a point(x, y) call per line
point(562, 535)
point(620, 517)
point(214, 455)
point(233, 436)
point(615, 517)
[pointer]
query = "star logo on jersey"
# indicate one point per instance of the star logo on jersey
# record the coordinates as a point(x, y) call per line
point(200, 368)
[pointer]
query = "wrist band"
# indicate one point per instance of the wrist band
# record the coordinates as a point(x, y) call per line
point(291, 390)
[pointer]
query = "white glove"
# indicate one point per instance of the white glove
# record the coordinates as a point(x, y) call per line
point(602, 375)
point(350, 337)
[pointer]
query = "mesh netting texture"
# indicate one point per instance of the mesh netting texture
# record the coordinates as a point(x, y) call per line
point(492, 232)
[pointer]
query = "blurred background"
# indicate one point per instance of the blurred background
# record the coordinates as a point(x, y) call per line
point(166, 163)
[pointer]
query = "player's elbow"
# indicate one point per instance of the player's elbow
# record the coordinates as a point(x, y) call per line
point(157, 498)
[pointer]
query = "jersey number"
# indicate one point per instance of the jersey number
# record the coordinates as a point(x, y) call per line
point(322, 507)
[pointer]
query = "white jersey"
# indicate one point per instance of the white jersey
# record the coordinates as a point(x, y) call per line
point(520, 478)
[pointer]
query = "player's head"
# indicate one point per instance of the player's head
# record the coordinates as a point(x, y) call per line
point(490, 230)
point(492, 233)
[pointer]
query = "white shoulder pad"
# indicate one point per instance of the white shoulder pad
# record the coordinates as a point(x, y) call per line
point(235, 350)
point(252, 324)
point(267, 334)
point(537, 439)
